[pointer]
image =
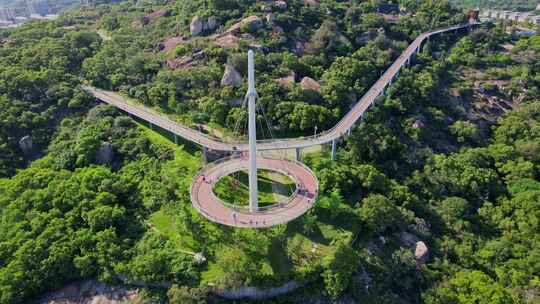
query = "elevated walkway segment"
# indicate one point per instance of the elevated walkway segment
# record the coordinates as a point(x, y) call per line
point(214, 209)
point(340, 129)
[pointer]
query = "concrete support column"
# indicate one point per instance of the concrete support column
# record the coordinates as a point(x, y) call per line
point(205, 155)
point(334, 157)
point(251, 95)
point(151, 126)
point(298, 154)
point(175, 139)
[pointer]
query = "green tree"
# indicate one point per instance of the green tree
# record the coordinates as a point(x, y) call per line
point(468, 287)
point(339, 265)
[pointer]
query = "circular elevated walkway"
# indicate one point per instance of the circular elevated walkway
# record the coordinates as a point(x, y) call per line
point(210, 206)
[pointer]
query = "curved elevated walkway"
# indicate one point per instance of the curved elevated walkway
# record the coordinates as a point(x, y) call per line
point(340, 129)
point(209, 205)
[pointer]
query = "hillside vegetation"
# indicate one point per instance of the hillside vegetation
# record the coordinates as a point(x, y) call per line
point(434, 197)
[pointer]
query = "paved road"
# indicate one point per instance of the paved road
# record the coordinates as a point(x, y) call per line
point(340, 129)
point(210, 206)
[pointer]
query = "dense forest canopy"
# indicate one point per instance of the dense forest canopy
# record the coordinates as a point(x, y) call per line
point(434, 198)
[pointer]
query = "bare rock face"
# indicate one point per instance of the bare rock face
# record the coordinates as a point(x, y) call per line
point(26, 144)
point(90, 292)
point(252, 22)
point(408, 239)
point(105, 154)
point(270, 18)
point(308, 83)
point(282, 5)
point(287, 81)
point(299, 47)
point(228, 41)
point(419, 123)
point(421, 252)
point(231, 77)
point(418, 247)
point(266, 8)
point(196, 26)
point(211, 23)
point(199, 258)
point(312, 2)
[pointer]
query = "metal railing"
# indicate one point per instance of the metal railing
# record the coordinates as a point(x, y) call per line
point(278, 209)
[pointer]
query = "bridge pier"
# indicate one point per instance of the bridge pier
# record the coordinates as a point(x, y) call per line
point(205, 155)
point(334, 157)
point(151, 126)
point(298, 154)
point(175, 139)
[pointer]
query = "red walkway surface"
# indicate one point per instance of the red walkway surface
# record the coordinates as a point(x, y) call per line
point(209, 205)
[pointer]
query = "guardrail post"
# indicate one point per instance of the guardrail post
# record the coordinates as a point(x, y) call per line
point(334, 149)
point(297, 154)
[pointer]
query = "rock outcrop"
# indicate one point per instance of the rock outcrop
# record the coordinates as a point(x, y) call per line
point(200, 25)
point(418, 124)
point(308, 83)
point(418, 247)
point(231, 77)
point(282, 5)
point(312, 2)
point(227, 41)
point(287, 81)
point(211, 23)
point(105, 154)
point(26, 144)
point(270, 18)
point(196, 26)
point(408, 239)
point(90, 292)
point(185, 61)
point(170, 43)
point(421, 252)
point(251, 23)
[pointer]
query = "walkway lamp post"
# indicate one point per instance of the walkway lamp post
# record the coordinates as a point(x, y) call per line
point(252, 96)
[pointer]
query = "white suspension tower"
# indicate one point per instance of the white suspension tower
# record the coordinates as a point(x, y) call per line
point(252, 96)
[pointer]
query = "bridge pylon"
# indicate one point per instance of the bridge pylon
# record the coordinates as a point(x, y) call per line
point(252, 131)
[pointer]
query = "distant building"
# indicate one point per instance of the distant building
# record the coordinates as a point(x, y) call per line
point(512, 16)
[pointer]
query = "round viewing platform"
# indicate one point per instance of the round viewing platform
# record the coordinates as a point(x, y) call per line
point(213, 208)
